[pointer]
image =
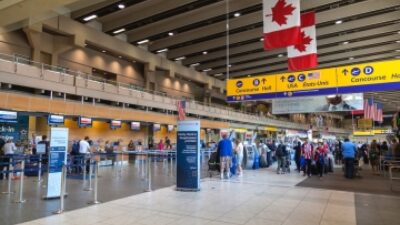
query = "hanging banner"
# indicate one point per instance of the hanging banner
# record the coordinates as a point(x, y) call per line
point(188, 156)
point(329, 103)
point(57, 158)
point(375, 76)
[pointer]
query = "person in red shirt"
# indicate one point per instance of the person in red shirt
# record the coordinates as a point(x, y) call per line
point(320, 154)
point(307, 153)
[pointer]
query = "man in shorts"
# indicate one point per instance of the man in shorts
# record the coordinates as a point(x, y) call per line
point(225, 153)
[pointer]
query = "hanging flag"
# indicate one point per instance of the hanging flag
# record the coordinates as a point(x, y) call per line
point(304, 55)
point(281, 23)
point(369, 110)
point(181, 107)
point(379, 110)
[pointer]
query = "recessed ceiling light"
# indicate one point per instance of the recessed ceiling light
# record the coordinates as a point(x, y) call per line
point(195, 64)
point(103, 51)
point(91, 17)
point(229, 65)
point(218, 74)
point(162, 50)
point(261, 39)
point(206, 70)
point(339, 22)
point(180, 58)
point(398, 32)
point(205, 53)
point(120, 57)
point(280, 55)
point(121, 6)
point(119, 31)
point(397, 50)
point(143, 41)
point(345, 42)
point(237, 14)
point(351, 58)
point(398, 41)
point(171, 33)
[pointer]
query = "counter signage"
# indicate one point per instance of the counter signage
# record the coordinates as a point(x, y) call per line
point(84, 122)
point(376, 76)
point(57, 157)
point(188, 156)
point(135, 126)
point(115, 124)
point(8, 116)
point(55, 120)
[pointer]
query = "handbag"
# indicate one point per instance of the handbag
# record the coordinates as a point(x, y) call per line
point(302, 161)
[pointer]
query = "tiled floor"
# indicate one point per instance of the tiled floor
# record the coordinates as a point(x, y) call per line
point(259, 198)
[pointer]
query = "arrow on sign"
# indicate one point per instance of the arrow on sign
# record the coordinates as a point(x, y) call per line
point(263, 80)
point(345, 71)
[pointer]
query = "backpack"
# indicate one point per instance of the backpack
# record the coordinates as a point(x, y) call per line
point(279, 151)
point(75, 149)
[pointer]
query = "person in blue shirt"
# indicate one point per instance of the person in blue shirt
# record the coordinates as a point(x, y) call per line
point(225, 154)
point(349, 151)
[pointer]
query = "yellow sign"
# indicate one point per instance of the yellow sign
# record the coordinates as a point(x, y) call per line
point(253, 85)
point(315, 79)
point(274, 129)
point(364, 77)
point(240, 130)
point(363, 133)
point(369, 73)
point(364, 124)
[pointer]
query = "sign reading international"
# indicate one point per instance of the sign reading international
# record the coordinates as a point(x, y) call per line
point(365, 77)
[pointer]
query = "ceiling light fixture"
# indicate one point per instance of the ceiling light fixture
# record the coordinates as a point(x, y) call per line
point(351, 58)
point(119, 31)
point(205, 53)
point(180, 58)
point(195, 64)
point(237, 14)
point(280, 55)
point(171, 33)
point(162, 50)
point(261, 39)
point(397, 50)
point(91, 17)
point(345, 42)
point(218, 74)
point(339, 22)
point(229, 65)
point(398, 41)
point(103, 51)
point(206, 70)
point(121, 6)
point(143, 41)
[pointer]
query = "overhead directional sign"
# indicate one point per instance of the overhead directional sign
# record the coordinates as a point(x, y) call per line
point(376, 76)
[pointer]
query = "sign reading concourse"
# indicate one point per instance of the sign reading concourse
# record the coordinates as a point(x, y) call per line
point(376, 76)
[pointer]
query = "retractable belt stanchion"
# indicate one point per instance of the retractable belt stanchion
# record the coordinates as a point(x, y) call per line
point(9, 180)
point(21, 183)
point(84, 167)
point(40, 169)
point(63, 189)
point(90, 175)
point(96, 178)
point(148, 173)
point(120, 164)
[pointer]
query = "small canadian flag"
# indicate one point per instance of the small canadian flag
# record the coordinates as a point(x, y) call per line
point(304, 55)
point(281, 23)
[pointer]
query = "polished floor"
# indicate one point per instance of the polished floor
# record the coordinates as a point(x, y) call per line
point(259, 197)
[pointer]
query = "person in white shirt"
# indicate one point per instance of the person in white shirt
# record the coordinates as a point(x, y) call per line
point(84, 150)
point(84, 146)
point(9, 148)
point(239, 153)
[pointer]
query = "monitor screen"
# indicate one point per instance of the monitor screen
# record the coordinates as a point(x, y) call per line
point(85, 122)
point(156, 127)
point(8, 116)
point(170, 128)
point(135, 125)
point(115, 124)
point(55, 120)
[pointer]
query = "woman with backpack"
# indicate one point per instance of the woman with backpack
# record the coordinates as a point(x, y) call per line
point(374, 156)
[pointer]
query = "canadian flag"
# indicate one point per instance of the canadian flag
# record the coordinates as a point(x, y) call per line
point(304, 55)
point(281, 23)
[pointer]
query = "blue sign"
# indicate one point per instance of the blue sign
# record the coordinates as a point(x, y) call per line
point(188, 156)
point(368, 70)
point(355, 71)
point(256, 82)
point(57, 158)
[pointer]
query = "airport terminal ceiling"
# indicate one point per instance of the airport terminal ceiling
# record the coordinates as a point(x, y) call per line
point(193, 33)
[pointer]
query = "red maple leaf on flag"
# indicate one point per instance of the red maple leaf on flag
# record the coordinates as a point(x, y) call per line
point(280, 12)
point(305, 40)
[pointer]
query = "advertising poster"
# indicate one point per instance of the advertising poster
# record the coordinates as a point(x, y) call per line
point(57, 157)
point(328, 103)
point(188, 156)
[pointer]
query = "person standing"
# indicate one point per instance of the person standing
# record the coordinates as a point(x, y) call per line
point(307, 152)
point(349, 152)
point(374, 156)
point(272, 148)
point(168, 145)
point(84, 151)
point(297, 155)
point(161, 145)
point(319, 158)
point(239, 154)
point(7, 149)
point(225, 153)
point(281, 154)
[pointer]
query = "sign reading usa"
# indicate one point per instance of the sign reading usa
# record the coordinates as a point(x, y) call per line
point(376, 76)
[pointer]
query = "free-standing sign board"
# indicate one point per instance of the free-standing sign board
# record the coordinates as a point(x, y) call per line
point(57, 157)
point(188, 156)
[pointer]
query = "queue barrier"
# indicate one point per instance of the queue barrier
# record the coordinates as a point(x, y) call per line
point(391, 175)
